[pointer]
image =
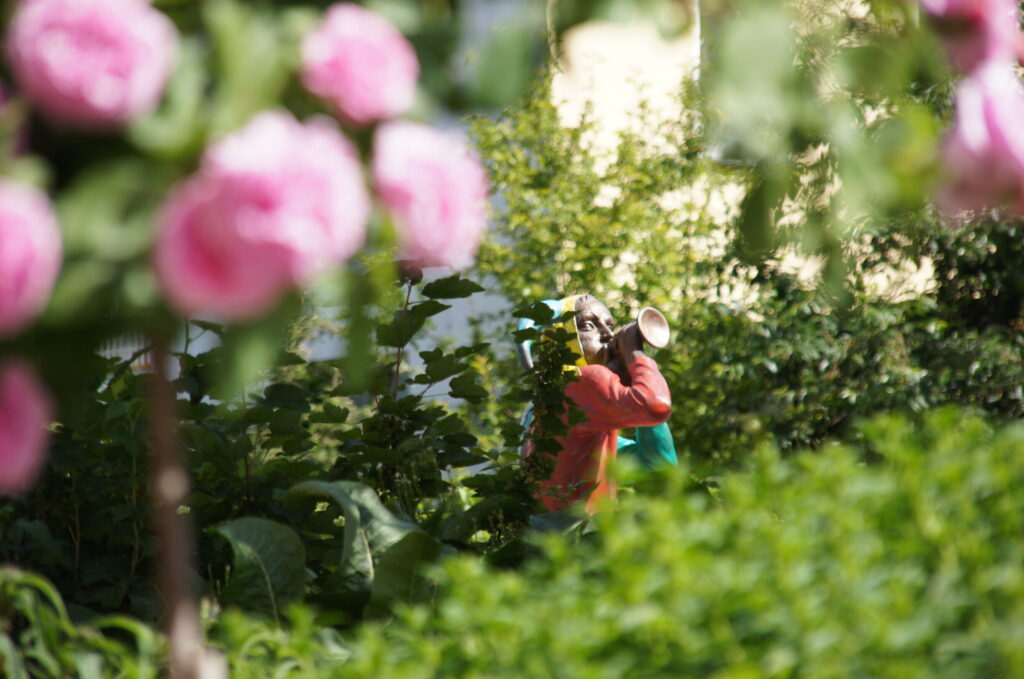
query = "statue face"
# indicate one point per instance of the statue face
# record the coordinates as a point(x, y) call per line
point(595, 328)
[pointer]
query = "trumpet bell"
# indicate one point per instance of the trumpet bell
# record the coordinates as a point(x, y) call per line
point(653, 327)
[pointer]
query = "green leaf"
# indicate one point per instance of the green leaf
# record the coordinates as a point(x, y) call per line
point(296, 446)
point(250, 349)
point(252, 62)
point(12, 660)
point(81, 287)
point(398, 576)
point(428, 308)
point(269, 565)
point(107, 212)
point(538, 312)
point(331, 414)
point(526, 334)
point(400, 330)
point(452, 287)
point(465, 387)
point(284, 395)
point(358, 362)
point(286, 423)
point(506, 65)
point(757, 214)
point(371, 533)
point(176, 129)
point(407, 322)
point(441, 367)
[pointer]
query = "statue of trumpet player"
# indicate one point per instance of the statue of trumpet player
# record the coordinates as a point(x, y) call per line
point(618, 387)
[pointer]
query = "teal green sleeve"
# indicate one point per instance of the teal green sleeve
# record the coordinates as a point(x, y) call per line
point(652, 448)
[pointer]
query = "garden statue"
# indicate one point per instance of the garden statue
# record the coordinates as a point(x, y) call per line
point(617, 387)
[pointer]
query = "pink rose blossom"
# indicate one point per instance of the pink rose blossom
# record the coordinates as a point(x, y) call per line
point(30, 254)
point(92, 63)
point(271, 206)
point(361, 64)
point(976, 31)
point(24, 413)
point(435, 189)
point(984, 154)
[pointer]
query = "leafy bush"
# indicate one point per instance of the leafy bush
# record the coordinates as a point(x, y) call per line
point(323, 484)
point(898, 557)
point(818, 565)
point(38, 639)
point(758, 352)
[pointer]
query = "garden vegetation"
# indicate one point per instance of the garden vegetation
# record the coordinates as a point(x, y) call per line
point(846, 503)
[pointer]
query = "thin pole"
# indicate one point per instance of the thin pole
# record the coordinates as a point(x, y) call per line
point(170, 487)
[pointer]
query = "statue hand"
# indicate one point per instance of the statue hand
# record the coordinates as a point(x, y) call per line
point(618, 366)
point(628, 341)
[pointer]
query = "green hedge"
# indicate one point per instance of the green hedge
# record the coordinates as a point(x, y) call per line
point(900, 559)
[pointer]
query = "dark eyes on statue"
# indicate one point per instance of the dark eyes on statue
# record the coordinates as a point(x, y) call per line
point(588, 325)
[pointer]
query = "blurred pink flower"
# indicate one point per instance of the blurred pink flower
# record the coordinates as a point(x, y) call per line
point(271, 206)
point(91, 63)
point(435, 189)
point(984, 153)
point(361, 64)
point(976, 31)
point(30, 254)
point(24, 414)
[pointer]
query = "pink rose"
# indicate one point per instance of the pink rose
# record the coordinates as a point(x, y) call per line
point(271, 206)
point(361, 64)
point(24, 413)
point(435, 189)
point(984, 154)
point(975, 31)
point(92, 63)
point(30, 254)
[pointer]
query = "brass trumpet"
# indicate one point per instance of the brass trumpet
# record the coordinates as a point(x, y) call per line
point(652, 325)
point(654, 331)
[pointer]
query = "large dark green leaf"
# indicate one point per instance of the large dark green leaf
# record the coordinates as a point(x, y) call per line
point(450, 288)
point(269, 565)
point(398, 572)
point(439, 366)
point(381, 552)
point(284, 395)
point(465, 386)
point(331, 414)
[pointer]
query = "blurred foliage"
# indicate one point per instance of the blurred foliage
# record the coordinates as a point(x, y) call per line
point(820, 565)
point(895, 557)
point(39, 639)
point(794, 93)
